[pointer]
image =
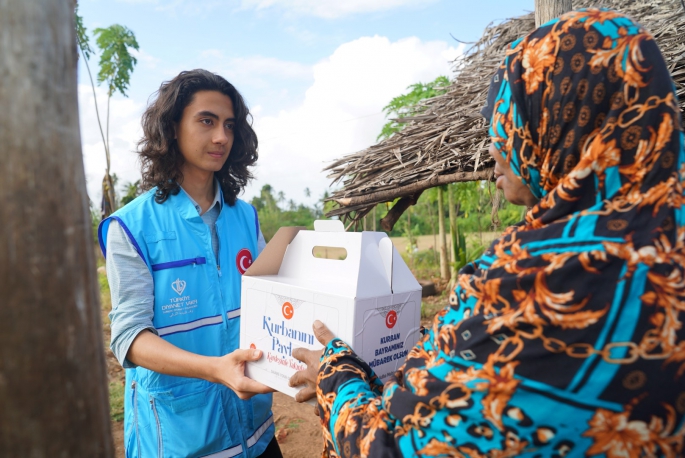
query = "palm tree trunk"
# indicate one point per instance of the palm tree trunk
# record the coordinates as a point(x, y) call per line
point(546, 10)
point(453, 228)
point(444, 268)
point(53, 386)
point(435, 240)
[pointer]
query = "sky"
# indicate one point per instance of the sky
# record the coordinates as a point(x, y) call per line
point(316, 74)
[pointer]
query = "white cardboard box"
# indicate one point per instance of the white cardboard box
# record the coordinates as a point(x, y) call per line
point(370, 299)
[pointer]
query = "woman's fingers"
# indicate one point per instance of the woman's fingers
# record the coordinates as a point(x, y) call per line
point(301, 354)
point(322, 333)
point(299, 378)
point(305, 394)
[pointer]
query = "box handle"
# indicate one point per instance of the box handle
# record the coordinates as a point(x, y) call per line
point(329, 252)
point(329, 225)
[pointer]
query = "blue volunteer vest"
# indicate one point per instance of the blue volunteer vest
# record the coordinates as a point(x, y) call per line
point(196, 308)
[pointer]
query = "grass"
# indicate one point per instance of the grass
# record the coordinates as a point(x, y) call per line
point(116, 388)
point(433, 304)
point(294, 424)
point(116, 401)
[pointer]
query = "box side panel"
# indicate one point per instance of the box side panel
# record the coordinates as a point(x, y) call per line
point(386, 328)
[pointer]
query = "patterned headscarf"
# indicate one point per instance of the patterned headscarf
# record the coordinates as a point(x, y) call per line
point(568, 334)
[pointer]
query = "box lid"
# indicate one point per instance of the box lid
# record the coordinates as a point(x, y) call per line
point(373, 267)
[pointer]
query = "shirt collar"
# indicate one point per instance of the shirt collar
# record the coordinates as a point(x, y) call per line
point(218, 198)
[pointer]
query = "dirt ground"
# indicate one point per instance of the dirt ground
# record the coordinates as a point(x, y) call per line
point(298, 430)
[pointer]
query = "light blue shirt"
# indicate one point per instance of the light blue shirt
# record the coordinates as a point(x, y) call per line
point(131, 284)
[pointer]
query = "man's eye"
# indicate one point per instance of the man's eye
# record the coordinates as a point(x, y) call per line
point(206, 121)
point(230, 126)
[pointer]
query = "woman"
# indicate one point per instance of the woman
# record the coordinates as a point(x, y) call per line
point(175, 256)
point(567, 338)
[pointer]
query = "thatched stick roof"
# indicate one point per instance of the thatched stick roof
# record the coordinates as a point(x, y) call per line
point(446, 140)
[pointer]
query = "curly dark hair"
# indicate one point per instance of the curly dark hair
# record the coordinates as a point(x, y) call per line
point(160, 157)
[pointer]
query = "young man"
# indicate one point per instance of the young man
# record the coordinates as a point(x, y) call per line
point(175, 256)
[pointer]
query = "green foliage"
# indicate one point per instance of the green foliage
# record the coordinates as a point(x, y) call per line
point(131, 191)
point(116, 401)
point(272, 216)
point(463, 254)
point(82, 35)
point(422, 264)
point(116, 61)
point(405, 104)
point(95, 219)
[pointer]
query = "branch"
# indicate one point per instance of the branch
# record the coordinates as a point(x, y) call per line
point(410, 189)
point(389, 220)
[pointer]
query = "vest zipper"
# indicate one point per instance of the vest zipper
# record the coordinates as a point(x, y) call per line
point(135, 413)
point(218, 251)
point(160, 450)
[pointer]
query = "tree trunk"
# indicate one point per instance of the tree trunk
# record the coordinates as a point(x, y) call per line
point(53, 385)
point(435, 240)
point(452, 217)
point(546, 10)
point(453, 228)
point(444, 268)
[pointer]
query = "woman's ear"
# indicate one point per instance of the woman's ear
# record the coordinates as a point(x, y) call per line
point(175, 130)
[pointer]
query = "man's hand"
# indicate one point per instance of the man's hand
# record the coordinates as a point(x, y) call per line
point(152, 352)
point(230, 371)
point(311, 358)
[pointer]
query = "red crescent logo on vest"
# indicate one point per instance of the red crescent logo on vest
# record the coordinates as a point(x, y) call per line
point(243, 261)
point(391, 319)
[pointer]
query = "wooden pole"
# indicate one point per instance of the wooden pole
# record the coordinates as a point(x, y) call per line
point(53, 385)
point(546, 10)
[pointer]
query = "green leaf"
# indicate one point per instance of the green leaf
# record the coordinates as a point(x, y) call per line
point(116, 61)
point(405, 104)
point(82, 35)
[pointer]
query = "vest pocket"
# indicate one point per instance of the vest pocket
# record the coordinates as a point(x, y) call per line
point(179, 263)
point(191, 425)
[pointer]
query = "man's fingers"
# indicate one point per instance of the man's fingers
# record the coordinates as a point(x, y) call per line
point(305, 394)
point(251, 387)
point(316, 410)
point(322, 333)
point(247, 355)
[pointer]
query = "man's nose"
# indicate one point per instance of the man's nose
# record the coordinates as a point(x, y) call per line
point(220, 136)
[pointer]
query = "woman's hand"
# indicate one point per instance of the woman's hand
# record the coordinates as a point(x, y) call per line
point(311, 358)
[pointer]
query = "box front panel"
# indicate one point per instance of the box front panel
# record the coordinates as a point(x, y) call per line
point(278, 320)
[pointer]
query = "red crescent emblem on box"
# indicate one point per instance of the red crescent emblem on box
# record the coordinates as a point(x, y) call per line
point(243, 261)
point(288, 310)
point(391, 319)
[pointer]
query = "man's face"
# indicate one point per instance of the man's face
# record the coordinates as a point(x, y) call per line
point(205, 133)
point(514, 190)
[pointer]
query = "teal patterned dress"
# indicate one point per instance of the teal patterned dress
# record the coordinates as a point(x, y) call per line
point(567, 338)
